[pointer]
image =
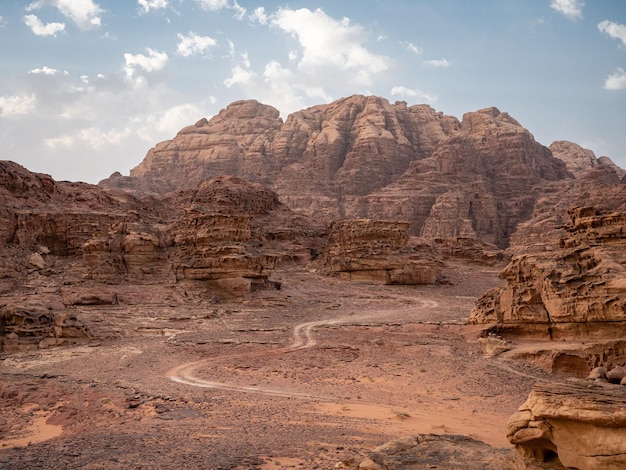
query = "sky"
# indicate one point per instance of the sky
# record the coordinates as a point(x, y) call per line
point(87, 87)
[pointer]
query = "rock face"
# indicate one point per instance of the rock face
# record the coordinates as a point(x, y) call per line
point(362, 157)
point(426, 451)
point(77, 245)
point(31, 326)
point(601, 187)
point(575, 291)
point(577, 159)
point(577, 424)
point(377, 251)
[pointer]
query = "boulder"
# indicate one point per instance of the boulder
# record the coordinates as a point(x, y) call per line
point(575, 423)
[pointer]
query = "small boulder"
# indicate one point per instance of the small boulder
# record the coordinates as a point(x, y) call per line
point(597, 373)
point(616, 375)
point(35, 260)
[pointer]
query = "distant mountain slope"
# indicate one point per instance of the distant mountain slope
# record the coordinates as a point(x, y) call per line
point(364, 157)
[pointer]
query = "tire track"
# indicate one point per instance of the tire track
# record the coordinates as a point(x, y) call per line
point(301, 338)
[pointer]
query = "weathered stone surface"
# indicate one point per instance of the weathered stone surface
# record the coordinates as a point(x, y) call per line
point(377, 251)
point(601, 187)
point(577, 159)
point(362, 157)
point(426, 451)
point(574, 292)
point(29, 326)
point(576, 423)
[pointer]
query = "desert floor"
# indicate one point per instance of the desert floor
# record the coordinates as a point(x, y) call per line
point(301, 377)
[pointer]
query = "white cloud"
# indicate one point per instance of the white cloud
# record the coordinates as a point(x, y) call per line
point(240, 76)
point(193, 44)
point(40, 29)
point(16, 105)
point(413, 48)
point(616, 81)
point(259, 15)
point(148, 5)
point(45, 71)
point(438, 63)
point(3, 22)
point(613, 30)
point(215, 5)
point(572, 9)
point(411, 93)
point(328, 43)
point(84, 13)
point(152, 62)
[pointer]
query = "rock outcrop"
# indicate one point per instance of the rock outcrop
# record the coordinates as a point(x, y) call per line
point(577, 291)
point(426, 451)
point(26, 326)
point(362, 157)
point(377, 251)
point(77, 245)
point(577, 159)
point(575, 423)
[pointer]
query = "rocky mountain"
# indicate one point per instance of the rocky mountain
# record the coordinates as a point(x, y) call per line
point(362, 157)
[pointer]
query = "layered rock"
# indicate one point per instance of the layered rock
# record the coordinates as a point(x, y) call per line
point(362, 157)
point(577, 291)
point(601, 187)
point(576, 423)
point(426, 451)
point(577, 159)
point(77, 245)
point(26, 326)
point(377, 251)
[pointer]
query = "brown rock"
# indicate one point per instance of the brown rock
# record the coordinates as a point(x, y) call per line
point(426, 451)
point(616, 375)
point(362, 157)
point(577, 159)
point(576, 291)
point(577, 424)
point(376, 251)
point(597, 373)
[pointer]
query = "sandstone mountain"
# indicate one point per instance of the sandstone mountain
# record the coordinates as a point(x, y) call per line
point(362, 157)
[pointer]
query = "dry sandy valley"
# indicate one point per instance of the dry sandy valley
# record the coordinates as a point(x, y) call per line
point(303, 377)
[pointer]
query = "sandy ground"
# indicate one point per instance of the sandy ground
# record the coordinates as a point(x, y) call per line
point(302, 377)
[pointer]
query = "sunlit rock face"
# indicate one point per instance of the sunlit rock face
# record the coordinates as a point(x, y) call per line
point(576, 290)
point(573, 424)
point(363, 157)
point(377, 251)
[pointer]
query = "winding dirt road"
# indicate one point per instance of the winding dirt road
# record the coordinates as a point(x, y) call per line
point(301, 338)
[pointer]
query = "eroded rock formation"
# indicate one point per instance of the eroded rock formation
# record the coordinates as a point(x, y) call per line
point(575, 291)
point(576, 423)
point(362, 157)
point(377, 251)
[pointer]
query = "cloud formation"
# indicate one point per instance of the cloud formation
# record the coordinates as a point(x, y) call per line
point(45, 71)
point(152, 62)
point(438, 63)
point(613, 30)
point(147, 5)
point(215, 5)
point(40, 29)
point(411, 93)
point(572, 9)
point(327, 42)
point(192, 44)
point(616, 81)
point(84, 13)
point(16, 105)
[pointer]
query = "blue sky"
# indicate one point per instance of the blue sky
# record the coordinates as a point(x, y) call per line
point(88, 86)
